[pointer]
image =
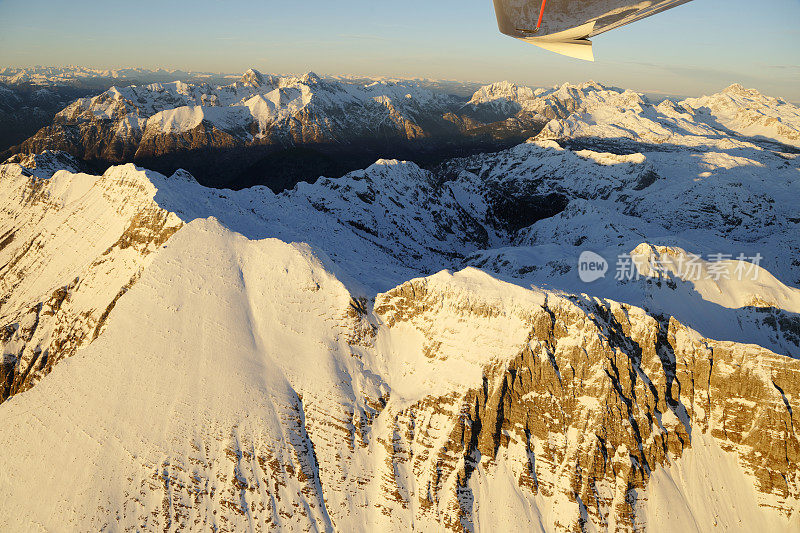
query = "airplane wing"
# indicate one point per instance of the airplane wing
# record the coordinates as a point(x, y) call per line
point(565, 26)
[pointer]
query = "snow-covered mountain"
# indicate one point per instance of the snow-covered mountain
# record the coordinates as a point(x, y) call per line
point(748, 112)
point(31, 97)
point(228, 129)
point(248, 132)
point(402, 348)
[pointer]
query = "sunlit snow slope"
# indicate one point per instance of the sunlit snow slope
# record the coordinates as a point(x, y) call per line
point(403, 349)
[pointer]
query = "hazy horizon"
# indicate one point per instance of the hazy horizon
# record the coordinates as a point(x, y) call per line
point(349, 75)
point(697, 48)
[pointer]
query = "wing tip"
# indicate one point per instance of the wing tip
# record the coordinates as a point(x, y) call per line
point(578, 49)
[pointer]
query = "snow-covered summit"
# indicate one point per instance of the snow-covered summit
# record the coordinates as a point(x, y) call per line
point(502, 90)
point(593, 110)
point(748, 112)
point(253, 78)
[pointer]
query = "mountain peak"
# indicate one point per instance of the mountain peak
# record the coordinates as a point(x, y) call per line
point(310, 78)
point(734, 88)
point(505, 90)
point(253, 78)
point(739, 89)
point(587, 86)
point(505, 84)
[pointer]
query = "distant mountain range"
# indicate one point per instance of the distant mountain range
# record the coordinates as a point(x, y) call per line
point(276, 131)
point(100, 78)
point(264, 129)
point(31, 97)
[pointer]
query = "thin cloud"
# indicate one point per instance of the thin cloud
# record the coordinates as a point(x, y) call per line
point(363, 37)
point(785, 67)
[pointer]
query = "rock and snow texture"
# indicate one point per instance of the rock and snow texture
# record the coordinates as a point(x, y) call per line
point(231, 128)
point(592, 110)
point(749, 113)
point(71, 246)
point(150, 121)
point(45, 164)
point(401, 349)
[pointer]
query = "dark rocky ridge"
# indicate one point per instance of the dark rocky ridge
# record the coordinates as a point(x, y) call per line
point(24, 109)
point(216, 159)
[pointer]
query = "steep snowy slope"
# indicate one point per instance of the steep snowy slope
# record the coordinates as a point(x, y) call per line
point(208, 430)
point(212, 418)
point(408, 349)
point(70, 247)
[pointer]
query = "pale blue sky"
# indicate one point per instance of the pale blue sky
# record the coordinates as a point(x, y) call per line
point(700, 47)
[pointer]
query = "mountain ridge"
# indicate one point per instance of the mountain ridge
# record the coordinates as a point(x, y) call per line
point(244, 128)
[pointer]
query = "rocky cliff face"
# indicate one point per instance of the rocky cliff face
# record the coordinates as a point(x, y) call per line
point(599, 397)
